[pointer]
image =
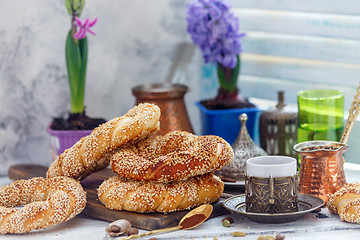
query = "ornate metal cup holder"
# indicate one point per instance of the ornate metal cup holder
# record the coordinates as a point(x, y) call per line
point(272, 194)
point(306, 204)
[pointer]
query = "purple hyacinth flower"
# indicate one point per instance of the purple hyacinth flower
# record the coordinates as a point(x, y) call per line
point(84, 27)
point(215, 30)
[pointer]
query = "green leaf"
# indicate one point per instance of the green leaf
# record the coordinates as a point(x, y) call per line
point(74, 6)
point(76, 80)
point(68, 4)
point(76, 3)
point(229, 82)
point(83, 43)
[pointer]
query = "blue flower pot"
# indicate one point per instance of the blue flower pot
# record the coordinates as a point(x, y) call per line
point(226, 124)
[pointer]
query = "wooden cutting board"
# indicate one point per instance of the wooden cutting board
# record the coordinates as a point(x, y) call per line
point(95, 209)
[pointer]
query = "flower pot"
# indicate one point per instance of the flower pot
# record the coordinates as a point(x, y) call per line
point(225, 122)
point(64, 139)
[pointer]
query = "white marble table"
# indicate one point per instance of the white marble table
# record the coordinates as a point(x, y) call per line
point(309, 227)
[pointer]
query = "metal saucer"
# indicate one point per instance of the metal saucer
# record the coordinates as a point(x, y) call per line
point(237, 184)
point(307, 203)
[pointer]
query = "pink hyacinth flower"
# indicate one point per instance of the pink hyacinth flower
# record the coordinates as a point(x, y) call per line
point(84, 27)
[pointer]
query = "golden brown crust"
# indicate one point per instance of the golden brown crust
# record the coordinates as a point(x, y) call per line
point(346, 202)
point(144, 196)
point(92, 152)
point(175, 156)
point(48, 202)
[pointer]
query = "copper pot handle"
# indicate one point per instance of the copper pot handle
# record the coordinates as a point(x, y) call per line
point(353, 112)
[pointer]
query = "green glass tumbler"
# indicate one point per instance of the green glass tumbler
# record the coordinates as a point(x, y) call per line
point(320, 115)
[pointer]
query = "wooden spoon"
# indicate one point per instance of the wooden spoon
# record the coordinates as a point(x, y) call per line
point(192, 219)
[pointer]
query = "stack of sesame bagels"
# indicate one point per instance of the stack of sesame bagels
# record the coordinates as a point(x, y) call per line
point(155, 174)
point(166, 173)
point(59, 197)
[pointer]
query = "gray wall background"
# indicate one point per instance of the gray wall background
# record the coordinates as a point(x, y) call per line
point(135, 44)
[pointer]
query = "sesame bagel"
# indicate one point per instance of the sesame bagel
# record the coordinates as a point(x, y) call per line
point(177, 155)
point(346, 202)
point(46, 202)
point(144, 196)
point(92, 152)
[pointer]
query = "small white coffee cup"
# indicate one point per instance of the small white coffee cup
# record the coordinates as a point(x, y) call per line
point(275, 166)
point(271, 184)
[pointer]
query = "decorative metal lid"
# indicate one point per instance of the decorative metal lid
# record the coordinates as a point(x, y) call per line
point(278, 129)
point(244, 148)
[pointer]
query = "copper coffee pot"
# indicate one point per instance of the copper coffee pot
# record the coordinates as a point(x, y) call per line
point(321, 171)
point(170, 98)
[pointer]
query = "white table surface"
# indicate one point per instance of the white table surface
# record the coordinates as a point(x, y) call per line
point(308, 227)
